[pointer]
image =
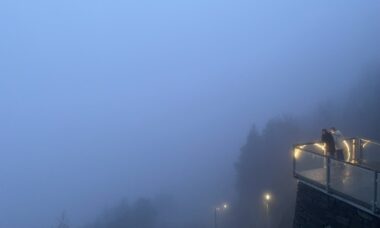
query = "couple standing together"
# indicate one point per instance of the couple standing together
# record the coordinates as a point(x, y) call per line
point(334, 143)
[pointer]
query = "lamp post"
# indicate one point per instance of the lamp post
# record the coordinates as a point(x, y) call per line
point(216, 217)
point(267, 198)
point(216, 210)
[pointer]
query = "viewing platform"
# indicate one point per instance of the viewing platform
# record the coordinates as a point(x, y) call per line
point(354, 181)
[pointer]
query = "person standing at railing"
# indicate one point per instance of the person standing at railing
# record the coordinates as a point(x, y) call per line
point(328, 139)
point(339, 143)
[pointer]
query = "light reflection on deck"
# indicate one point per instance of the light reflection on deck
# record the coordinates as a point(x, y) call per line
point(355, 183)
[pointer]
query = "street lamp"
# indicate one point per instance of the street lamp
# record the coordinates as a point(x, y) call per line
point(217, 209)
point(267, 199)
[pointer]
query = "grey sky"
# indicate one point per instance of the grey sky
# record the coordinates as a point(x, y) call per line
point(105, 99)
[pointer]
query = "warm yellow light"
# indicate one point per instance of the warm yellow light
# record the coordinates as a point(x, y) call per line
point(366, 143)
point(297, 151)
point(353, 150)
point(268, 197)
point(322, 146)
point(348, 150)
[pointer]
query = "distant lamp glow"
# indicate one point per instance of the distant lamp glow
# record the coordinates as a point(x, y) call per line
point(268, 197)
point(267, 201)
point(222, 207)
point(218, 211)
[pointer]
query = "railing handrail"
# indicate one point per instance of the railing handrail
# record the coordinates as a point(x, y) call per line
point(326, 156)
point(372, 141)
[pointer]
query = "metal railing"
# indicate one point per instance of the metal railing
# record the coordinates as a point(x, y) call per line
point(355, 179)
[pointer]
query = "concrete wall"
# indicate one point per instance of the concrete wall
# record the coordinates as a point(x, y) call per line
point(317, 209)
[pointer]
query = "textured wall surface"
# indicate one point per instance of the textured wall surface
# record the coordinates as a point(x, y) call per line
point(317, 209)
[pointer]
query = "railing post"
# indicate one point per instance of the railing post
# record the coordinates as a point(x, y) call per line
point(354, 147)
point(328, 174)
point(374, 209)
point(294, 160)
point(360, 149)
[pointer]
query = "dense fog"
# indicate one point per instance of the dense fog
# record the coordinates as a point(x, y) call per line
point(150, 114)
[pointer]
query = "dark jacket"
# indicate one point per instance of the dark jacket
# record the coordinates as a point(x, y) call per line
point(328, 139)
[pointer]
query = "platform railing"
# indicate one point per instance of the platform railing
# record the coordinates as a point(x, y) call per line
point(355, 180)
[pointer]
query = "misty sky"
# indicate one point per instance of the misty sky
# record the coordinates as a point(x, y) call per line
point(101, 100)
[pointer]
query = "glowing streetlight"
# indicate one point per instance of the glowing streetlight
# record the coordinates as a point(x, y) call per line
point(267, 199)
point(223, 207)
